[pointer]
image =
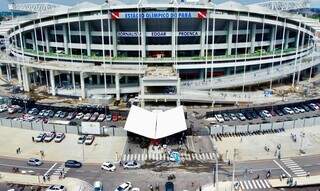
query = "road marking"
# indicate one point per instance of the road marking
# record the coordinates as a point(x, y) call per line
point(267, 183)
point(48, 171)
point(262, 183)
point(254, 184)
point(246, 185)
point(250, 185)
point(284, 170)
point(241, 185)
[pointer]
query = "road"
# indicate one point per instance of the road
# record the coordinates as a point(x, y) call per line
point(197, 174)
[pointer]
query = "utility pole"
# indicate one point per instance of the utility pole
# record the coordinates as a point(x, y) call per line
point(234, 167)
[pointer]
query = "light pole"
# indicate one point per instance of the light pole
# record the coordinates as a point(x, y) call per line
point(234, 167)
point(302, 135)
point(215, 172)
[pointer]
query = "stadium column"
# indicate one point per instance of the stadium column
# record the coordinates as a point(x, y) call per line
point(73, 81)
point(19, 74)
point(143, 37)
point(46, 36)
point(33, 41)
point(178, 92)
point(82, 85)
point(253, 37)
point(286, 46)
point(117, 81)
point(229, 39)
point(114, 38)
point(26, 79)
point(203, 37)
point(53, 83)
point(173, 37)
point(65, 38)
point(24, 41)
point(272, 38)
point(142, 103)
point(88, 39)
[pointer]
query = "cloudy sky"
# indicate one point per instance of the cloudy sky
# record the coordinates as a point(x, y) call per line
point(4, 3)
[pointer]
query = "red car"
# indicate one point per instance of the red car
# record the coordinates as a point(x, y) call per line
point(114, 118)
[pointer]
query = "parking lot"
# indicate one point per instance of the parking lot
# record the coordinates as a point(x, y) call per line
point(265, 114)
point(7, 186)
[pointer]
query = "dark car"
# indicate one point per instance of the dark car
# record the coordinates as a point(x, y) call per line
point(169, 186)
point(279, 112)
point(226, 117)
point(72, 164)
point(248, 115)
point(51, 113)
point(305, 107)
point(254, 115)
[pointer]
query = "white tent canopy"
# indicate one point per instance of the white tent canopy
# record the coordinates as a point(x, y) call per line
point(157, 124)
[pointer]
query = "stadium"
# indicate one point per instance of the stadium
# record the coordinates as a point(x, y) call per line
point(169, 51)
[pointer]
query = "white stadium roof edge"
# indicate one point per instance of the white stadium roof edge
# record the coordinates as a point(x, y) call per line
point(155, 124)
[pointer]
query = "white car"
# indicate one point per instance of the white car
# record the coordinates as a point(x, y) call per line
point(266, 113)
point(109, 117)
point(79, 115)
point(49, 137)
point(219, 118)
point(40, 137)
point(131, 165)
point(89, 140)
point(59, 137)
point(288, 110)
point(34, 162)
point(108, 166)
point(87, 116)
point(56, 188)
point(3, 107)
point(124, 187)
point(101, 117)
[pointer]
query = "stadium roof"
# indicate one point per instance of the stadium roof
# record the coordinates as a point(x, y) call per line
point(156, 124)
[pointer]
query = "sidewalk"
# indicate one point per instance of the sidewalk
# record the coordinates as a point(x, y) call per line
point(72, 184)
point(103, 148)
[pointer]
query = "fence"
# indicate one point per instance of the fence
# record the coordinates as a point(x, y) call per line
point(298, 123)
point(40, 126)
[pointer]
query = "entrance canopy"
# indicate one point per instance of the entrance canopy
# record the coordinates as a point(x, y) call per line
point(156, 124)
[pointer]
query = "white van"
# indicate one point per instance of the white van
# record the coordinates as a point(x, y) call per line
point(98, 186)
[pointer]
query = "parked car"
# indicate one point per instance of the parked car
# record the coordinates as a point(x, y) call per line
point(225, 117)
point(305, 107)
point(87, 116)
point(3, 107)
point(279, 112)
point(295, 110)
point(79, 115)
point(34, 162)
point(97, 186)
point(40, 137)
point(108, 166)
point(131, 165)
point(247, 115)
point(219, 118)
point(72, 164)
point(46, 113)
point(109, 117)
point(33, 111)
point(13, 109)
point(59, 137)
point(124, 187)
point(233, 117)
point(71, 115)
point(57, 114)
point(56, 188)
point(49, 137)
point(81, 139)
point(94, 117)
point(101, 117)
point(114, 118)
point(89, 140)
point(266, 113)
point(42, 112)
point(63, 114)
point(51, 114)
point(241, 116)
point(288, 110)
point(254, 115)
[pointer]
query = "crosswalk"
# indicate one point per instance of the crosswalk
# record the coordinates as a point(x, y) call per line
point(164, 156)
point(253, 184)
point(294, 167)
point(60, 169)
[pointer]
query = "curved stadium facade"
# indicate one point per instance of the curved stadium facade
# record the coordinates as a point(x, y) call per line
point(158, 50)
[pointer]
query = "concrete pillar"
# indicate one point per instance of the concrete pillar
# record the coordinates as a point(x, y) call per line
point(143, 38)
point(286, 43)
point(73, 81)
point(98, 79)
point(53, 83)
point(26, 79)
point(229, 38)
point(88, 38)
point(117, 80)
point(90, 80)
point(253, 37)
point(33, 41)
point(46, 36)
point(272, 38)
point(173, 37)
point(65, 38)
point(19, 74)
point(126, 79)
point(203, 37)
point(68, 77)
point(82, 85)
point(202, 73)
point(142, 103)
point(178, 92)
point(0, 70)
point(24, 43)
point(114, 38)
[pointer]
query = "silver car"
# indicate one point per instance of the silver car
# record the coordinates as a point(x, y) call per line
point(131, 165)
point(34, 162)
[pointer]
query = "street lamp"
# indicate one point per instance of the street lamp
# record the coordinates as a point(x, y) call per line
point(302, 135)
point(215, 172)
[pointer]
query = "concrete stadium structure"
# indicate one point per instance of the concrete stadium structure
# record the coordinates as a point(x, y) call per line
point(157, 50)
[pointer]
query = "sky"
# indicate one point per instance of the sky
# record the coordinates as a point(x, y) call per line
point(4, 3)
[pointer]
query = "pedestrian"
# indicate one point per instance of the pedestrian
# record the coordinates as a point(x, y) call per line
point(129, 151)
point(308, 174)
point(48, 177)
point(32, 139)
point(17, 151)
point(120, 163)
point(44, 178)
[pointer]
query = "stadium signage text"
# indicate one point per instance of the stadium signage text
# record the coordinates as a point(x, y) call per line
point(158, 15)
point(159, 34)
